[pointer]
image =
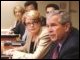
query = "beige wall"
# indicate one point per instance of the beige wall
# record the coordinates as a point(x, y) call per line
point(8, 19)
point(74, 13)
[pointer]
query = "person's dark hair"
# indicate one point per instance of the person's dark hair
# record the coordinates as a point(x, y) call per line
point(34, 3)
point(56, 7)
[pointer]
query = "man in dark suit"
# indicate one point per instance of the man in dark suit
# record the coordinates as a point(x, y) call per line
point(65, 38)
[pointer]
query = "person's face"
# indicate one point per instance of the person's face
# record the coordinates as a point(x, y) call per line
point(32, 26)
point(18, 14)
point(55, 29)
point(49, 9)
point(30, 7)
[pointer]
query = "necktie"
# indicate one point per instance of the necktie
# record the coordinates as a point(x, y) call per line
point(55, 52)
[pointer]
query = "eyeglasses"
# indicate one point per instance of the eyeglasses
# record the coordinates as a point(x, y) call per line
point(33, 23)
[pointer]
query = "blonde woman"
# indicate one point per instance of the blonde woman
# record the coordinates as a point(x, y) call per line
point(37, 43)
point(19, 27)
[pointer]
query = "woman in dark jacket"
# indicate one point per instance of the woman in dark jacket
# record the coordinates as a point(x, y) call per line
point(19, 27)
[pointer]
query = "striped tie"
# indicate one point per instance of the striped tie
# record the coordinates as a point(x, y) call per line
point(55, 52)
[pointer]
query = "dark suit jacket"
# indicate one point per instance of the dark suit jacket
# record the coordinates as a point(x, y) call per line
point(70, 47)
point(19, 28)
point(43, 21)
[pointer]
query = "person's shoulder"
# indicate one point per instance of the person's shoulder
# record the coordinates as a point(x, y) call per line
point(73, 38)
point(43, 32)
point(74, 35)
point(71, 45)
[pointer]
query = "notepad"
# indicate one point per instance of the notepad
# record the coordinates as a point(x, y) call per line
point(16, 44)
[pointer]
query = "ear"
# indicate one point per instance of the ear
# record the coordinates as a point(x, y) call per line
point(67, 27)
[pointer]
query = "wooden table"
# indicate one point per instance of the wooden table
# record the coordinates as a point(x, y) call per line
point(9, 46)
point(9, 37)
point(3, 56)
point(9, 41)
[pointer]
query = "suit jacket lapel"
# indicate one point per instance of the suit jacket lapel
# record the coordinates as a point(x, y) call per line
point(37, 40)
point(28, 42)
point(35, 43)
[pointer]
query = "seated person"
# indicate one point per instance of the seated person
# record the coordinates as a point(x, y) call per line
point(38, 41)
point(19, 27)
point(65, 38)
point(33, 5)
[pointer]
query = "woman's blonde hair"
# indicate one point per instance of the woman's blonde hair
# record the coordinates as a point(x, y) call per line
point(34, 14)
point(20, 8)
